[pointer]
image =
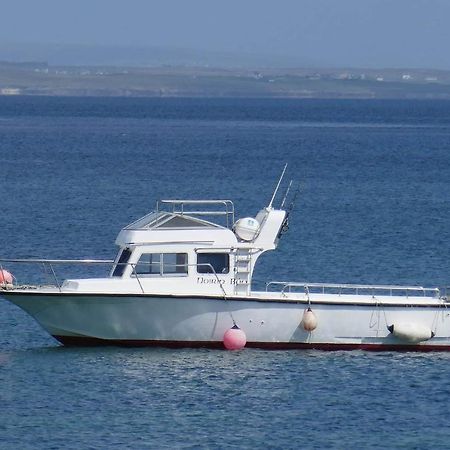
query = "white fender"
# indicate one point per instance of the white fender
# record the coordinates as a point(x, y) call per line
point(411, 332)
point(309, 321)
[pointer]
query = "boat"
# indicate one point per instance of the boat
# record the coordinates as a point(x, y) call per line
point(183, 278)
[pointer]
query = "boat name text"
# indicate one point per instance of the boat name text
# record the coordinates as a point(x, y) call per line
point(234, 281)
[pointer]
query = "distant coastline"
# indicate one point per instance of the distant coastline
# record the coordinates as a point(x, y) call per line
point(35, 78)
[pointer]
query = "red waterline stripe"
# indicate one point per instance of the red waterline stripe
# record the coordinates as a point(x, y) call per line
point(94, 342)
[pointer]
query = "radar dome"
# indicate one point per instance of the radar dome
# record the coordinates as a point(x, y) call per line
point(246, 228)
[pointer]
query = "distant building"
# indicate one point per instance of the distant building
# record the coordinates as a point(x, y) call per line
point(10, 91)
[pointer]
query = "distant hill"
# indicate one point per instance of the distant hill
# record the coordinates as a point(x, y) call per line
point(134, 56)
point(41, 78)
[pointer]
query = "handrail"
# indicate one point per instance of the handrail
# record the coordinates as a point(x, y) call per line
point(58, 261)
point(196, 202)
point(324, 286)
point(178, 207)
point(133, 266)
point(213, 271)
point(50, 263)
point(106, 261)
point(253, 250)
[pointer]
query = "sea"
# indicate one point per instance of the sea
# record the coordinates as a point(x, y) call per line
point(373, 206)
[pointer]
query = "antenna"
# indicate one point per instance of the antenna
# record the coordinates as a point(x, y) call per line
point(294, 198)
point(278, 185)
point(285, 224)
point(286, 194)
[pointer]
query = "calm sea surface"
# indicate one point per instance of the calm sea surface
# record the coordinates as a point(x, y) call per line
point(374, 208)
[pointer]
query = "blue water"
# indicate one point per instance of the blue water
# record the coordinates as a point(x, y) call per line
point(374, 208)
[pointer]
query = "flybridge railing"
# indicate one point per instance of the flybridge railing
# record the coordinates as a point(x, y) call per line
point(348, 289)
point(203, 208)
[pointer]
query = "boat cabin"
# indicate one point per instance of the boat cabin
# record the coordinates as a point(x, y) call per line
point(176, 250)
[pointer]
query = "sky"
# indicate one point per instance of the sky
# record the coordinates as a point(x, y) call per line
point(325, 33)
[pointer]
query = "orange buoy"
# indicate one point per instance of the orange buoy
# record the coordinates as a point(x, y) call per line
point(5, 277)
point(234, 338)
point(309, 321)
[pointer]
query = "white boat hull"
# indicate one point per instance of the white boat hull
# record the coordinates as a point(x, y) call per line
point(176, 321)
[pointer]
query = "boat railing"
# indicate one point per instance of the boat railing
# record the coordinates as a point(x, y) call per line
point(231, 248)
point(347, 289)
point(48, 267)
point(285, 288)
point(208, 265)
point(445, 292)
point(202, 208)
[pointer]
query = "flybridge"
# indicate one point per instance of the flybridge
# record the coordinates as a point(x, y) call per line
point(180, 239)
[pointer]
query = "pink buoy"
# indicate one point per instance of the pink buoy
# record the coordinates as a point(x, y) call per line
point(309, 321)
point(5, 277)
point(234, 338)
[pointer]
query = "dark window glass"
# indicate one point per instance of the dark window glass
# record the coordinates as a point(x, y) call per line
point(162, 264)
point(183, 222)
point(220, 262)
point(122, 262)
point(174, 263)
point(149, 264)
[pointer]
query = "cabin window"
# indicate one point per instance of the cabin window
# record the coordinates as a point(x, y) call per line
point(121, 264)
point(149, 264)
point(162, 264)
point(174, 263)
point(206, 262)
